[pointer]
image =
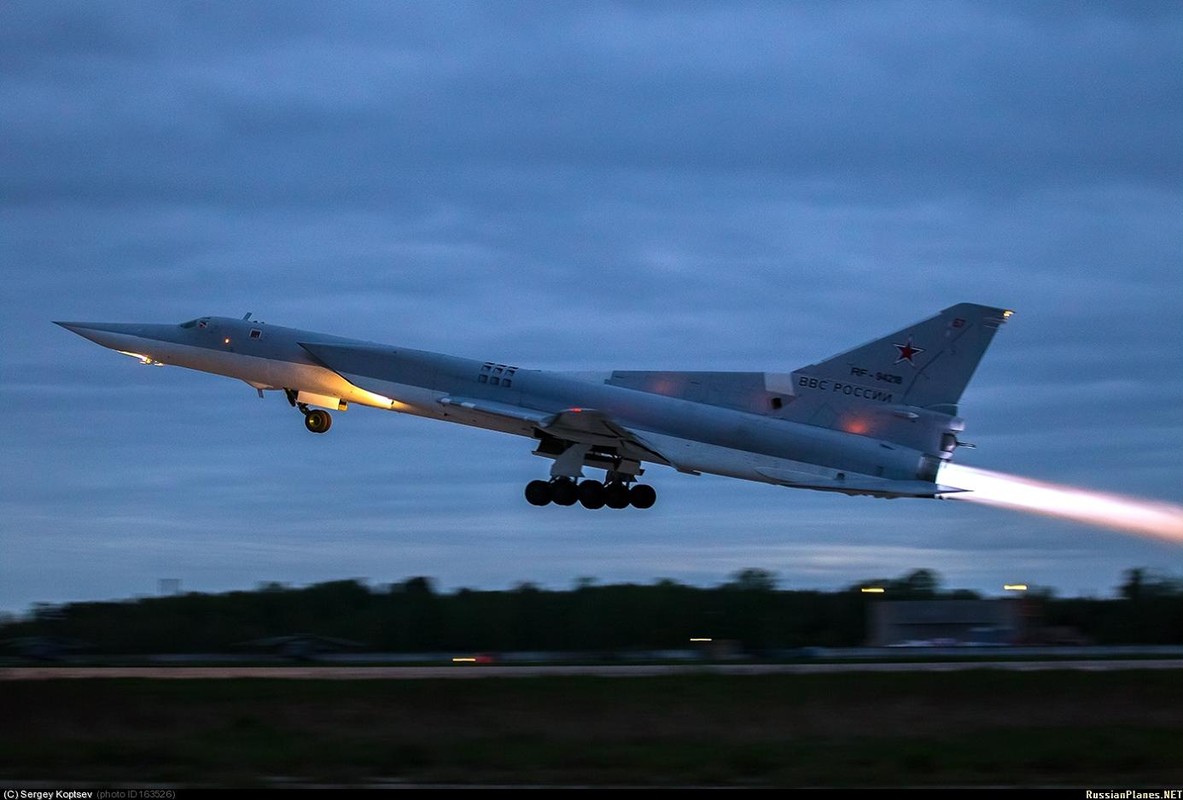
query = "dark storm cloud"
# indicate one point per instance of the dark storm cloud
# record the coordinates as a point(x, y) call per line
point(575, 186)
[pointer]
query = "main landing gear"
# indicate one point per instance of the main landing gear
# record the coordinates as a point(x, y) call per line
point(564, 491)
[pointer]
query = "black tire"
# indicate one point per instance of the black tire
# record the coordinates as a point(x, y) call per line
point(538, 493)
point(642, 496)
point(591, 494)
point(616, 495)
point(563, 492)
point(318, 420)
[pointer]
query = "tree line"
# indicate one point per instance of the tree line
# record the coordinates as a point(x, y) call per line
point(412, 616)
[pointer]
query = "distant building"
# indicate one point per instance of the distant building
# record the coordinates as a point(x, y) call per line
point(302, 646)
point(935, 623)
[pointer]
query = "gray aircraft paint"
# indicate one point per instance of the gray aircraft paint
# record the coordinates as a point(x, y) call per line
point(878, 419)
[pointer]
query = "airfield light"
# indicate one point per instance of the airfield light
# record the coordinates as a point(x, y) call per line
point(464, 660)
point(872, 590)
point(701, 639)
point(1015, 587)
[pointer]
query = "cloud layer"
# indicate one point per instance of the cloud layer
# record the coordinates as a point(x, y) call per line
point(637, 185)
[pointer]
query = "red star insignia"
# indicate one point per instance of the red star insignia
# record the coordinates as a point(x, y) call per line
point(907, 352)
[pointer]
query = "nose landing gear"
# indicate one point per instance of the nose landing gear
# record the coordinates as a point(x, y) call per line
point(316, 420)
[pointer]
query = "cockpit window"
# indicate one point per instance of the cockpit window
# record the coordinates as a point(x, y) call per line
point(196, 323)
point(190, 324)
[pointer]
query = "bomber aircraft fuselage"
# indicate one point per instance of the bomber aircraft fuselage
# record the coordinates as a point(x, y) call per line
point(876, 420)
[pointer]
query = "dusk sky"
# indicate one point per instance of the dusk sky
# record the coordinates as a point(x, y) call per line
point(576, 186)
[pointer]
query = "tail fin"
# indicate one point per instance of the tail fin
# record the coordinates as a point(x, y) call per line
point(927, 365)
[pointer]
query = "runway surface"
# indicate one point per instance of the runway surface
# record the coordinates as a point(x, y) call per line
point(470, 671)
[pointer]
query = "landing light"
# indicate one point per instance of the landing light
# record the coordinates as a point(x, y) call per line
point(143, 359)
point(1015, 587)
point(872, 590)
point(701, 639)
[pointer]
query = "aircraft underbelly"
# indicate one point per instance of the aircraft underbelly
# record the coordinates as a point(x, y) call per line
point(695, 456)
point(261, 372)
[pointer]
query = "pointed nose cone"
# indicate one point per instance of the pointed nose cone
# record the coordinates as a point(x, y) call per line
point(116, 335)
point(79, 328)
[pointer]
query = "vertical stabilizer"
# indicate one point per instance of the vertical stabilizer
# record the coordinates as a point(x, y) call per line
point(926, 365)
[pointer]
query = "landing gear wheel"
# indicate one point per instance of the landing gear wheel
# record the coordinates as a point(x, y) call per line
point(616, 495)
point(563, 491)
point(642, 496)
point(318, 420)
point(591, 494)
point(538, 493)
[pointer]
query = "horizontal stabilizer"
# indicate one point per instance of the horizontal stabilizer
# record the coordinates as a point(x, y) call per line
point(862, 484)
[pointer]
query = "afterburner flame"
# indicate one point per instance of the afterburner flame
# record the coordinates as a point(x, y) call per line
point(1151, 518)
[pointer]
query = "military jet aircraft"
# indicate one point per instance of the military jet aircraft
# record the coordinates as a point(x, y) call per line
point(877, 420)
